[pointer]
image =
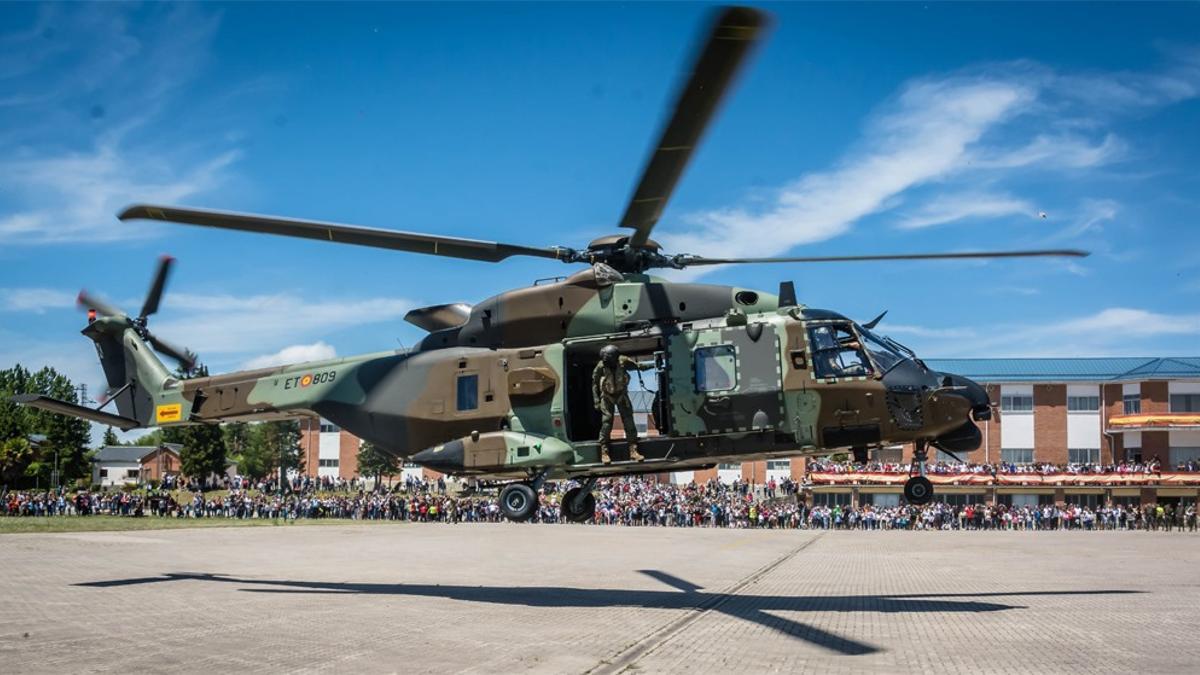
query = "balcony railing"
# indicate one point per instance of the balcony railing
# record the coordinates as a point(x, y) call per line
point(1143, 421)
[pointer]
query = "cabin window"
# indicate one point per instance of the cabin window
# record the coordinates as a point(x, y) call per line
point(836, 352)
point(468, 392)
point(716, 368)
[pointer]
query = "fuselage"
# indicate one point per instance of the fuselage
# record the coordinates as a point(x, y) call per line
point(507, 390)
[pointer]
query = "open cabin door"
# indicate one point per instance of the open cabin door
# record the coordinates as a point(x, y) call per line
point(725, 380)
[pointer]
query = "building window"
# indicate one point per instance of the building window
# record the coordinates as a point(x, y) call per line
point(1185, 403)
point(728, 467)
point(1133, 404)
point(716, 368)
point(104, 473)
point(1016, 403)
point(1085, 500)
point(880, 499)
point(779, 465)
point(1083, 403)
point(468, 392)
point(133, 473)
point(1016, 455)
point(328, 427)
point(1184, 456)
point(831, 499)
point(962, 499)
point(328, 463)
point(1083, 455)
point(1023, 500)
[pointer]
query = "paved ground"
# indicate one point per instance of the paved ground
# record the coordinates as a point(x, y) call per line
point(503, 598)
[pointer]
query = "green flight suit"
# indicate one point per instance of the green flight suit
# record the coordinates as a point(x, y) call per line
point(610, 393)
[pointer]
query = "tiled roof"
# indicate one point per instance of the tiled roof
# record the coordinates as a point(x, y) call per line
point(1070, 370)
point(129, 453)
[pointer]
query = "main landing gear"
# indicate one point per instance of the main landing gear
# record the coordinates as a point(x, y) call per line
point(519, 501)
point(918, 490)
point(579, 504)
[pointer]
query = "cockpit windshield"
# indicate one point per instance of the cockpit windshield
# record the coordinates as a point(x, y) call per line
point(886, 352)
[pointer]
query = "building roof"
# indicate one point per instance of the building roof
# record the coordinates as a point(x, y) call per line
point(130, 453)
point(1100, 369)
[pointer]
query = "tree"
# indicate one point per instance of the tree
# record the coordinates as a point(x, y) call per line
point(251, 448)
point(203, 451)
point(67, 438)
point(283, 440)
point(150, 440)
point(266, 446)
point(110, 437)
point(377, 462)
point(16, 454)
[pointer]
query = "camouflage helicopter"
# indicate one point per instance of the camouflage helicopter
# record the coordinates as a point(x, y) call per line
point(501, 390)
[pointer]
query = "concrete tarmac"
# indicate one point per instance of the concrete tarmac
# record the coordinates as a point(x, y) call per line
point(489, 598)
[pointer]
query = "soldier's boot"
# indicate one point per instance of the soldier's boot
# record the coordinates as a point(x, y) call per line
point(604, 458)
point(634, 455)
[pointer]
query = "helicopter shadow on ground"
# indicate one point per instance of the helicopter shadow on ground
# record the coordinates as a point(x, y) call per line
point(685, 596)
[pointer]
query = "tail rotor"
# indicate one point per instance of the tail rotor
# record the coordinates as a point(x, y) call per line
point(99, 309)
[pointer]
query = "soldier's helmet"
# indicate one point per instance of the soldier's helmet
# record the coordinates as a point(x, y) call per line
point(610, 355)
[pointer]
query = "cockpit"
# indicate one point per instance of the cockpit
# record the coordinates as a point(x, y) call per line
point(846, 349)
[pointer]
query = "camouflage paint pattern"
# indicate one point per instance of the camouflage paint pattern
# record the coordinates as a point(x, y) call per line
point(491, 393)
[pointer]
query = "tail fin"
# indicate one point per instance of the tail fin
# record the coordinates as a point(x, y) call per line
point(136, 378)
point(145, 392)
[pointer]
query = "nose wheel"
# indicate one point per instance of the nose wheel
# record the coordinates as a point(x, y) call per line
point(918, 490)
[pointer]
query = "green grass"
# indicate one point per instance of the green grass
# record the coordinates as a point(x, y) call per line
point(33, 525)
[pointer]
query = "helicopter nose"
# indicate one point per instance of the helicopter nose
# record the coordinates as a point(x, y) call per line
point(447, 458)
point(981, 405)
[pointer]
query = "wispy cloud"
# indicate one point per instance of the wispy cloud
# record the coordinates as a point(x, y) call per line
point(1114, 331)
point(924, 332)
point(1088, 219)
point(984, 124)
point(226, 325)
point(36, 300)
point(951, 208)
point(92, 133)
point(317, 351)
point(927, 135)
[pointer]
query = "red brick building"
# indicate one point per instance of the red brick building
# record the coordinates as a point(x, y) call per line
point(1047, 411)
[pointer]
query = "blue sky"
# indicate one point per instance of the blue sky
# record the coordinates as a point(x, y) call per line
point(856, 129)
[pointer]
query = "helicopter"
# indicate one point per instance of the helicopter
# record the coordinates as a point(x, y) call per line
point(501, 390)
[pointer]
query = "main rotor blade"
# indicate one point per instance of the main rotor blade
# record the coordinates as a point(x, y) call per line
point(734, 32)
point(413, 242)
point(156, 287)
point(687, 261)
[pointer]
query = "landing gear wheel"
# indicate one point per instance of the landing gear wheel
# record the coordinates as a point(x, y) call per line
point(518, 501)
point(918, 491)
point(578, 513)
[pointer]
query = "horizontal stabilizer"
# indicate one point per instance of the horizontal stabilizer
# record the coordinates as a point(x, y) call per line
point(64, 408)
point(438, 317)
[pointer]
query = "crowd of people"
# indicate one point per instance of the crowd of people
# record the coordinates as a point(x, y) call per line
point(634, 502)
point(958, 468)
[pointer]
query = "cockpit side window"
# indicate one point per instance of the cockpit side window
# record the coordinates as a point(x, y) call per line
point(837, 352)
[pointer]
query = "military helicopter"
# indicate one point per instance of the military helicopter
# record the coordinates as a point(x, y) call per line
point(501, 390)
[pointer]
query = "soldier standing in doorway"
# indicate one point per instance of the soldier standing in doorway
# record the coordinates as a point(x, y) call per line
point(610, 394)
